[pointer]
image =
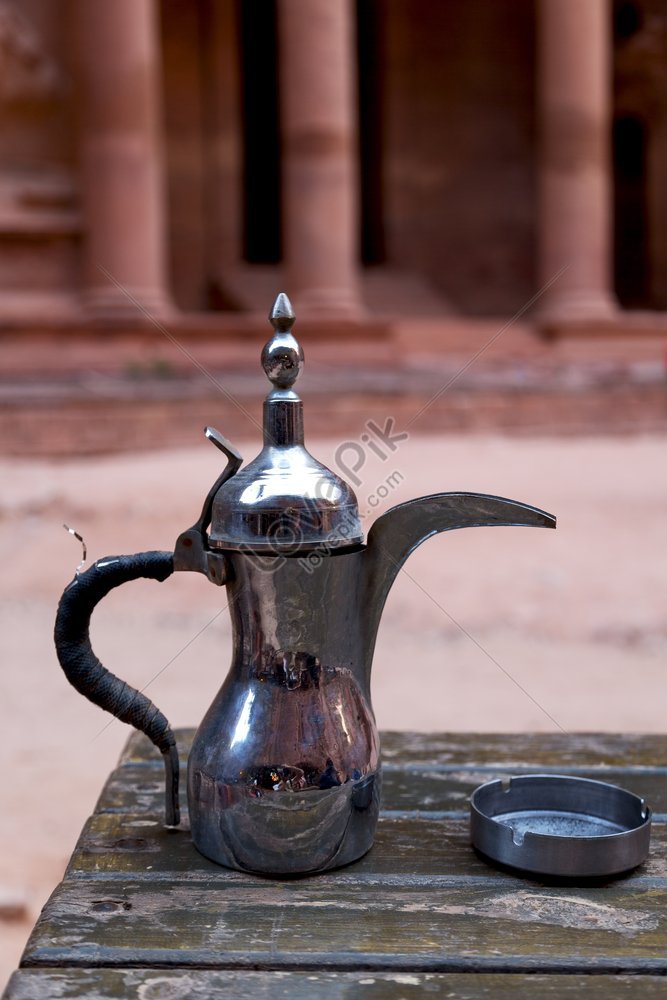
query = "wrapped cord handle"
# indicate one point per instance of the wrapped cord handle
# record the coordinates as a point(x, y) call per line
point(88, 675)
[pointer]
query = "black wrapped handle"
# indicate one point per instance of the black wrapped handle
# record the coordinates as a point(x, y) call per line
point(88, 675)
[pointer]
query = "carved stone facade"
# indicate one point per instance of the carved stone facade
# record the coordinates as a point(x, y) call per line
point(171, 159)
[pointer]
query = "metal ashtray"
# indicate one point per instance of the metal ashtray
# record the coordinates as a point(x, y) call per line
point(551, 824)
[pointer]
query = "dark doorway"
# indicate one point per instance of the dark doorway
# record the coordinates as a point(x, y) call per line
point(370, 62)
point(261, 132)
point(631, 237)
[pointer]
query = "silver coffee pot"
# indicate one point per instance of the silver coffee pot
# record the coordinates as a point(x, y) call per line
point(284, 772)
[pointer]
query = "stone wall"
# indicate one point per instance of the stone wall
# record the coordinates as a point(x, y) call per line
point(437, 139)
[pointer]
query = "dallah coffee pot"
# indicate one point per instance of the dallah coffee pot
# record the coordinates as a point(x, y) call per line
point(284, 772)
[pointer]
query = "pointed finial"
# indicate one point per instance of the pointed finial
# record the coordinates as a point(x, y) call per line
point(282, 357)
point(282, 315)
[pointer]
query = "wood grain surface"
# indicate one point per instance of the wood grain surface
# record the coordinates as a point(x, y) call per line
point(141, 913)
point(204, 984)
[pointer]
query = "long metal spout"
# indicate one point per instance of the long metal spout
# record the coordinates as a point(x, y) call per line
point(398, 533)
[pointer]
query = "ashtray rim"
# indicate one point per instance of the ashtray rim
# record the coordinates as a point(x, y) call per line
point(555, 854)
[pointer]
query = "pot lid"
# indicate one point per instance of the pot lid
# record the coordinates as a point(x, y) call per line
point(284, 501)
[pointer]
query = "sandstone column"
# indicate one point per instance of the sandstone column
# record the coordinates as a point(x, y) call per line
point(319, 136)
point(575, 224)
point(121, 157)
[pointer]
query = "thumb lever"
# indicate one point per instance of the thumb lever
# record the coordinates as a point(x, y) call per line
point(191, 552)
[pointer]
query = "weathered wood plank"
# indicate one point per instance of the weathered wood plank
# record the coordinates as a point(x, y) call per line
point(444, 790)
point(553, 750)
point(420, 903)
point(202, 984)
point(122, 847)
point(135, 788)
point(408, 849)
point(321, 924)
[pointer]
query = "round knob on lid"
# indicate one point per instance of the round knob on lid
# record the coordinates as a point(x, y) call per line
point(282, 357)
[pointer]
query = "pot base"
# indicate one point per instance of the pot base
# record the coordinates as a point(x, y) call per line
point(280, 832)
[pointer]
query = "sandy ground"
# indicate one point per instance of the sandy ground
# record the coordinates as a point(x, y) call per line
point(491, 629)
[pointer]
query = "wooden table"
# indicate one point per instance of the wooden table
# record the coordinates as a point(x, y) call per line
point(141, 914)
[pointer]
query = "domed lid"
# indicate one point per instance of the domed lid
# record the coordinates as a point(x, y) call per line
point(284, 501)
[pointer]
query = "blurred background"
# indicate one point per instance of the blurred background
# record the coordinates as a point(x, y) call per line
point(465, 201)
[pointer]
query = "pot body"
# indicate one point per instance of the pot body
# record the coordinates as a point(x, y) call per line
point(284, 771)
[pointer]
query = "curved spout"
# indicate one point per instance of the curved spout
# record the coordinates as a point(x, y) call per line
point(398, 533)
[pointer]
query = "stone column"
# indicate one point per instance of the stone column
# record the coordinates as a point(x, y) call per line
point(319, 162)
point(575, 223)
point(121, 157)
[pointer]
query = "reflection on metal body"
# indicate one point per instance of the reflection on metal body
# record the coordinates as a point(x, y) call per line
point(284, 772)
